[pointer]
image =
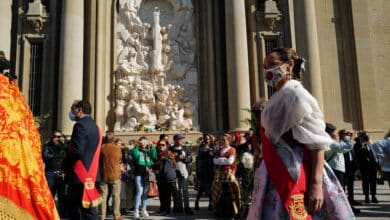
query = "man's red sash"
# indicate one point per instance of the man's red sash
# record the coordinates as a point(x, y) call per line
point(91, 196)
point(292, 193)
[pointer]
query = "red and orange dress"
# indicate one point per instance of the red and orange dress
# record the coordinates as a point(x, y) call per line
point(24, 193)
point(225, 179)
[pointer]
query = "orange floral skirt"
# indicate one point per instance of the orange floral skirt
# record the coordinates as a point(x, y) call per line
point(24, 193)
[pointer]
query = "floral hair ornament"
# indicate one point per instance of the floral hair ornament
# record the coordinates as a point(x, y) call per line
point(303, 67)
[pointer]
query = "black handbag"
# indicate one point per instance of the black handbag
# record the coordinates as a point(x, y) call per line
point(380, 177)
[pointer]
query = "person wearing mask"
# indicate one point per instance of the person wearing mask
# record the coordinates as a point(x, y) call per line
point(341, 146)
point(335, 155)
point(183, 160)
point(143, 155)
point(110, 167)
point(351, 167)
point(82, 163)
point(166, 177)
point(368, 166)
point(293, 181)
point(54, 154)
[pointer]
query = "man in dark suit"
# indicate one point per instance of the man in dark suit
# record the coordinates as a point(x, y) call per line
point(350, 169)
point(84, 144)
point(368, 166)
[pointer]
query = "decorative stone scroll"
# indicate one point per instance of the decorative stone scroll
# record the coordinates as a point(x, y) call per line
point(156, 78)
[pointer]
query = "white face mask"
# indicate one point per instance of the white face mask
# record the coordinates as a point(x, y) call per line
point(273, 75)
point(347, 138)
point(130, 146)
point(144, 142)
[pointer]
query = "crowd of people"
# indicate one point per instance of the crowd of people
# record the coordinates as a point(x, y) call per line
point(353, 154)
point(222, 168)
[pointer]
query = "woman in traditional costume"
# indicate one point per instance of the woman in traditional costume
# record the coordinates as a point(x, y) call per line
point(24, 192)
point(293, 181)
point(225, 189)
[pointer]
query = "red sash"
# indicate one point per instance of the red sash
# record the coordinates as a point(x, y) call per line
point(91, 196)
point(292, 193)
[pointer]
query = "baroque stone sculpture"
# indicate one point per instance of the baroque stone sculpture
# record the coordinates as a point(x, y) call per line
point(156, 76)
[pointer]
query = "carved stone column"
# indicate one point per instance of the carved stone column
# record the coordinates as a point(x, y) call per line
point(307, 45)
point(237, 63)
point(5, 24)
point(71, 60)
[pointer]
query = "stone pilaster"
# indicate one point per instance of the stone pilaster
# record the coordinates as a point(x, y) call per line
point(368, 83)
point(237, 63)
point(5, 24)
point(71, 60)
point(253, 51)
point(307, 46)
point(103, 61)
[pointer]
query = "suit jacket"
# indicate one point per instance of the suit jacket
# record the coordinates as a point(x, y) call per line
point(351, 160)
point(84, 141)
point(366, 158)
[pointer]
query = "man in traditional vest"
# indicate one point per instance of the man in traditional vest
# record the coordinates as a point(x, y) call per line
point(83, 163)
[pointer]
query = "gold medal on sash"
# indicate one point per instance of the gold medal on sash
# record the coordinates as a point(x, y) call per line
point(297, 207)
point(89, 184)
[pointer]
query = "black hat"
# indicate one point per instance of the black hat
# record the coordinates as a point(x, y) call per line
point(177, 137)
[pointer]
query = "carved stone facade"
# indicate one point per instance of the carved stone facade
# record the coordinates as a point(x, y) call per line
point(156, 73)
point(184, 64)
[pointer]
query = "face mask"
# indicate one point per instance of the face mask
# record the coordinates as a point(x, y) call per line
point(72, 117)
point(144, 142)
point(130, 146)
point(274, 75)
point(347, 138)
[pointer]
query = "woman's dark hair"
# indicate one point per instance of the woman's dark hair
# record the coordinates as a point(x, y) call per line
point(286, 54)
point(162, 140)
point(205, 135)
point(363, 137)
point(162, 136)
point(330, 128)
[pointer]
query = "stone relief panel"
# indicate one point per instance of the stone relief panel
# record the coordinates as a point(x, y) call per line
point(156, 77)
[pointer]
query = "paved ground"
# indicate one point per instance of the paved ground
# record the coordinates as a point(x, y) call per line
point(380, 211)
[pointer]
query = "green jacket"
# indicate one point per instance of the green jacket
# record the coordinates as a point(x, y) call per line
point(144, 157)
